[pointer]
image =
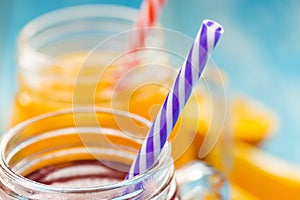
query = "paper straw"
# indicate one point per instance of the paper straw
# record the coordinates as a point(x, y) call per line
point(147, 17)
point(188, 75)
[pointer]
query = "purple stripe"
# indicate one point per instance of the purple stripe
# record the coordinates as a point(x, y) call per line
point(188, 68)
point(202, 49)
point(217, 36)
point(150, 149)
point(175, 102)
point(188, 75)
point(210, 23)
point(203, 38)
point(175, 112)
point(163, 126)
point(137, 165)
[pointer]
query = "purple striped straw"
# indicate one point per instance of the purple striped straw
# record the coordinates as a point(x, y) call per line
point(190, 72)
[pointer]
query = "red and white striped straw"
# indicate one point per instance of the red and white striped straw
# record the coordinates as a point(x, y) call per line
point(189, 74)
point(147, 17)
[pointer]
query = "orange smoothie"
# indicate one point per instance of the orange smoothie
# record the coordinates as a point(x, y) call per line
point(79, 81)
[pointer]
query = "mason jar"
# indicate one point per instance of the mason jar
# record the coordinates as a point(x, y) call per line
point(84, 156)
point(85, 153)
point(70, 56)
point(51, 50)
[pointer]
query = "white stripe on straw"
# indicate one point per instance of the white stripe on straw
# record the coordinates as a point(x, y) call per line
point(190, 72)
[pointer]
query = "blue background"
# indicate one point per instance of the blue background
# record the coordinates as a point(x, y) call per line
point(259, 51)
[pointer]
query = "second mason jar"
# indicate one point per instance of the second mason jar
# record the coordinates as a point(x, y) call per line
point(65, 53)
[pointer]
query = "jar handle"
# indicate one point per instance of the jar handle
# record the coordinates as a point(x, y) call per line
point(198, 180)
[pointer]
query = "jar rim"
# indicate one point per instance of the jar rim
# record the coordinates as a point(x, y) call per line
point(27, 183)
point(64, 15)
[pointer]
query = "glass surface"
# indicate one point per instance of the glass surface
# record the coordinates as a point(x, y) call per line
point(85, 153)
point(101, 140)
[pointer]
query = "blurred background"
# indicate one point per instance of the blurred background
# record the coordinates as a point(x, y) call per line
point(259, 52)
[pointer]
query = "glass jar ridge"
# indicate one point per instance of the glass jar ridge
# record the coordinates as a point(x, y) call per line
point(94, 137)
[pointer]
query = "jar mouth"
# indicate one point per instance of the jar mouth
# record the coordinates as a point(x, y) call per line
point(82, 46)
point(46, 21)
point(27, 183)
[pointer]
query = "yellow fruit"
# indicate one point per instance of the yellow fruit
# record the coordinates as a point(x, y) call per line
point(251, 121)
point(259, 173)
point(238, 193)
